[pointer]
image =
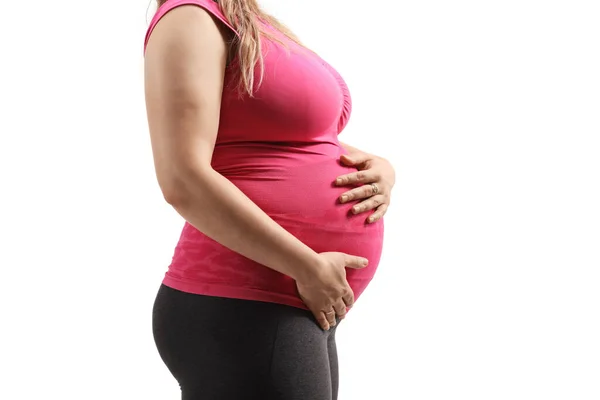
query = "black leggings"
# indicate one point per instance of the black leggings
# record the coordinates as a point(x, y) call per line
point(229, 349)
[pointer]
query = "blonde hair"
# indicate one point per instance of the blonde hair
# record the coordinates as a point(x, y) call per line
point(244, 17)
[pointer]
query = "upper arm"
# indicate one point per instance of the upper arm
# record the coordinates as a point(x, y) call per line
point(184, 72)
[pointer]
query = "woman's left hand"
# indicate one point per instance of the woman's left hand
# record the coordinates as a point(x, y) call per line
point(377, 177)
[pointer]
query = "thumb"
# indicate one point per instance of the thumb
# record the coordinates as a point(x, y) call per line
point(356, 262)
point(355, 159)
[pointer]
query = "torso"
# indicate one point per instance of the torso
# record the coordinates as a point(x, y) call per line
point(281, 149)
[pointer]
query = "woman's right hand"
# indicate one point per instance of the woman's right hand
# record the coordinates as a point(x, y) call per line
point(327, 292)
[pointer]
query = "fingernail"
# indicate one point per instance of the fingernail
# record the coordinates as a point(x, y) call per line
point(338, 181)
point(365, 262)
point(344, 198)
point(371, 219)
point(356, 209)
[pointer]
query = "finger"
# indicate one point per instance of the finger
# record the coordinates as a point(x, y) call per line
point(356, 262)
point(357, 177)
point(322, 320)
point(358, 193)
point(340, 309)
point(330, 317)
point(370, 204)
point(349, 299)
point(356, 159)
point(377, 215)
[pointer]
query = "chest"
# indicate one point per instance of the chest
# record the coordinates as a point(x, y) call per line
point(300, 98)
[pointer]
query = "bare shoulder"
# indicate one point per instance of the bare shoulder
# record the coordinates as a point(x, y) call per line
point(187, 31)
point(185, 58)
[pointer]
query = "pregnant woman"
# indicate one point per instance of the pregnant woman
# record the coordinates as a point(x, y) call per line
point(283, 224)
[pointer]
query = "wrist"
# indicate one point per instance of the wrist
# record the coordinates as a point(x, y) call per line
point(306, 268)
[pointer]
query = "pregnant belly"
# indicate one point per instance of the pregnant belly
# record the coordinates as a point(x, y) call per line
point(304, 201)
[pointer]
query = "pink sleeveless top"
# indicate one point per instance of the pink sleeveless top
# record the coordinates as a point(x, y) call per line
point(281, 149)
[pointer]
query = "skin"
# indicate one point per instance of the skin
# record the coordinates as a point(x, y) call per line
point(371, 169)
point(184, 73)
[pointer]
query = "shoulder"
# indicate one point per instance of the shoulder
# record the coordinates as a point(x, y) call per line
point(188, 11)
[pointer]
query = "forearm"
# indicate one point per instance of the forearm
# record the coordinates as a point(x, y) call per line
point(217, 208)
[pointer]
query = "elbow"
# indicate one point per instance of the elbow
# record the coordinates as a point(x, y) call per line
point(174, 195)
point(173, 190)
point(179, 189)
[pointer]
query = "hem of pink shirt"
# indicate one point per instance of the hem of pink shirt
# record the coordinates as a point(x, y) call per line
point(211, 289)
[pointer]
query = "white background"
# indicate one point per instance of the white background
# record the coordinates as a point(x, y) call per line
point(489, 284)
